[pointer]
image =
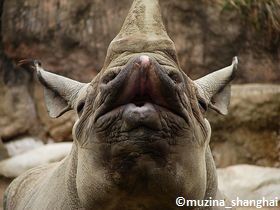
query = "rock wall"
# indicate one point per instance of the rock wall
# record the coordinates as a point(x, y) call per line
point(256, 183)
point(71, 37)
point(250, 133)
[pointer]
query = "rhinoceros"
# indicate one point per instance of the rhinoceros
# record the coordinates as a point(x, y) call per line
point(141, 138)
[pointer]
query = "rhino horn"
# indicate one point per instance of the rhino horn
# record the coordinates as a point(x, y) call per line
point(215, 88)
point(143, 31)
point(144, 18)
point(61, 93)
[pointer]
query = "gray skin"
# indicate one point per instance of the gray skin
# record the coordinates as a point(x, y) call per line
point(141, 138)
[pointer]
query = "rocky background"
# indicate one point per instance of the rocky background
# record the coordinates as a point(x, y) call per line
point(71, 37)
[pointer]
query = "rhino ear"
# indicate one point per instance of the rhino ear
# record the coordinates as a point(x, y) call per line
point(61, 93)
point(215, 88)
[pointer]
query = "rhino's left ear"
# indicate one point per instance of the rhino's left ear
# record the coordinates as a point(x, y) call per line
point(214, 88)
point(61, 93)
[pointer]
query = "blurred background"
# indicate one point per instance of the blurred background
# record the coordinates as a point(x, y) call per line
point(71, 38)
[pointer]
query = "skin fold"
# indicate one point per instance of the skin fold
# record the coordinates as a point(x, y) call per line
point(141, 138)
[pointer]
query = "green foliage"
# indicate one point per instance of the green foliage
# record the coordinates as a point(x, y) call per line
point(262, 15)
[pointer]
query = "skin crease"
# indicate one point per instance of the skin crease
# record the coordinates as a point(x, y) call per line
point(141, 138)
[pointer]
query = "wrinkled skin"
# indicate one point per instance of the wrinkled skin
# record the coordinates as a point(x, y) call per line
point(141, 138)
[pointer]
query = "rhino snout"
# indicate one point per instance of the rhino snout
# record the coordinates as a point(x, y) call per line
point(143, 80)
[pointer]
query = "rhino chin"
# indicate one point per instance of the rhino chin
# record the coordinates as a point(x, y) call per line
point(137, 116)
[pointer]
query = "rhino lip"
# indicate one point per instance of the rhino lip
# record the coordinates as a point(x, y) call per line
point(139, 101)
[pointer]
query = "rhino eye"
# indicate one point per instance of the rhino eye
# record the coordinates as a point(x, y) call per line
point(202, 105)
point(175, 77)
point(80, 107)
point(109, 77)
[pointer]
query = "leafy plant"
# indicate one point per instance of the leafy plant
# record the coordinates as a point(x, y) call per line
point(263, 16)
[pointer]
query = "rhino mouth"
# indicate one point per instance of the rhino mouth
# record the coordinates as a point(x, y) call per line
point(142, 92)
point(141, 101)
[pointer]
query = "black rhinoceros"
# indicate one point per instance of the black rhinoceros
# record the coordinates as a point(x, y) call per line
point(141, 138)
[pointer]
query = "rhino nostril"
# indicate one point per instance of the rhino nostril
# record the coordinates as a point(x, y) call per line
point(175, 77)
point(109, 77)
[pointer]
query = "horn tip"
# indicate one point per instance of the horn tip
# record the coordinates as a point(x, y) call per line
point(235, 62)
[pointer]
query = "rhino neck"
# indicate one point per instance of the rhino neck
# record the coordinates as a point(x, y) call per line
point(96, 186)
point(69, 169)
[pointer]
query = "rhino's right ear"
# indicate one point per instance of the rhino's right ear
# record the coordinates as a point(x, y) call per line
point(214, 88)
point(61, 93)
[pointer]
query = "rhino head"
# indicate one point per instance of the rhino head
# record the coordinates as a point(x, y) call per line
point(141, 129)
